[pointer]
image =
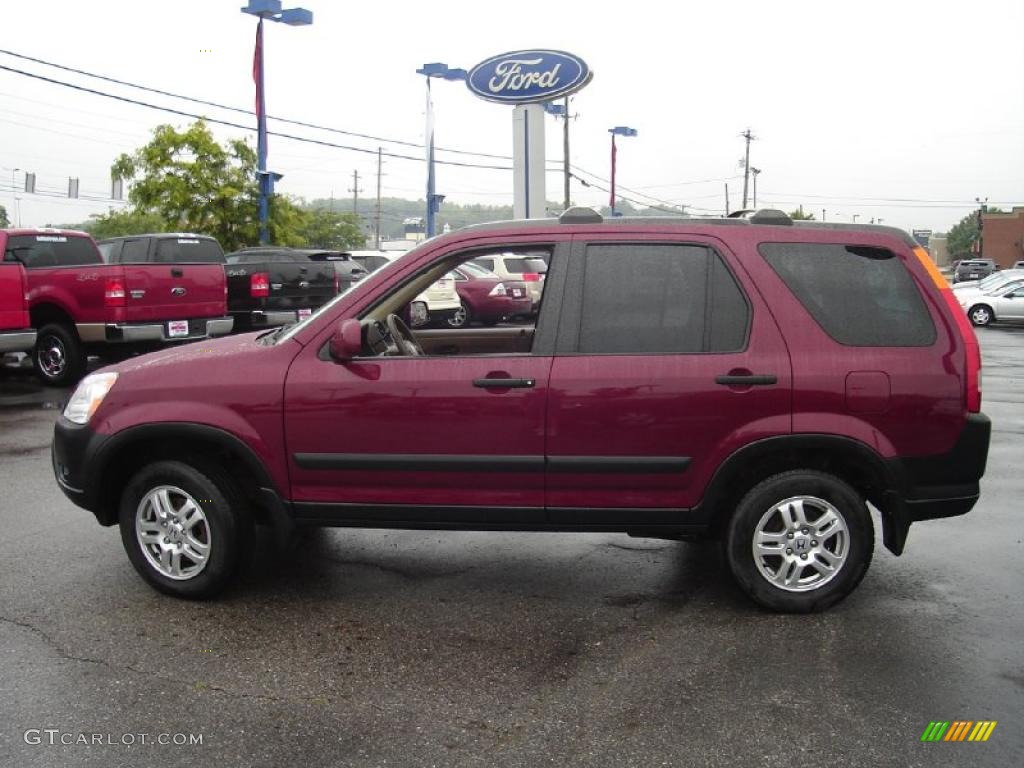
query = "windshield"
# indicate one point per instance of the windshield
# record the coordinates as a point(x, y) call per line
point(475, 270)
point(991, 280)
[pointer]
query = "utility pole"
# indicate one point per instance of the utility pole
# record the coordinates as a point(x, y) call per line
point(727, 199)
point(376, 216)
point(565, 150)
point(755, 171)
point(822, 214)
point(982, 207)
point(746, 164)
point(355, 191)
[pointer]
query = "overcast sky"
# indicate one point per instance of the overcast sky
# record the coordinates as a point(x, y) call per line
point(905, 111)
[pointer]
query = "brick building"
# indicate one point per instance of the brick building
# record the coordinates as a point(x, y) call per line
point(1003, 237)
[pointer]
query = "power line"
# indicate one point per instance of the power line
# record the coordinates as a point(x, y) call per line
point(242, 111)
point(239, 126)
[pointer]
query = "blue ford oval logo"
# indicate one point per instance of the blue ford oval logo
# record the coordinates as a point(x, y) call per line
point(520, 77)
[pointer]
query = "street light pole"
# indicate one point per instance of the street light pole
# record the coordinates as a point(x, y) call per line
point(619, 130)
point(434, 200)
point(756, 172)
point(296, 17)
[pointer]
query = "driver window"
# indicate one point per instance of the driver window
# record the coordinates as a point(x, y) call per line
point(475, 303)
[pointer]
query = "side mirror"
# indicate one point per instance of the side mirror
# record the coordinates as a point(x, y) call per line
point(347, 341)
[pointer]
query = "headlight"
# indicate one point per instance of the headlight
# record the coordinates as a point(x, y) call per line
point(88, 396)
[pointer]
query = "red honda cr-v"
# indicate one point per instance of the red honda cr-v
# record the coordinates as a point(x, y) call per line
point(758, 381)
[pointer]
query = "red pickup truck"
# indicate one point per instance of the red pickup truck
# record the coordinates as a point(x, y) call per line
point(16, 334)
point(81, 306)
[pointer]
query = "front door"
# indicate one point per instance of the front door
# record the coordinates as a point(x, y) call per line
point(454, 436)
point(669, 362)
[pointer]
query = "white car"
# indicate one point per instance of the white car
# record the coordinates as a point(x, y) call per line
point(992, 282)
point(439, 303)
point(1004, 303)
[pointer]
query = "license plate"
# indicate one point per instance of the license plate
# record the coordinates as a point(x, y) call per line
point(304, 313)
point(973, 275)
point(517, 293)
point(177, 328)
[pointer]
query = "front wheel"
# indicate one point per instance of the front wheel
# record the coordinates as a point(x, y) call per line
point(800, 541)
point(184, 529)
point(980, 315)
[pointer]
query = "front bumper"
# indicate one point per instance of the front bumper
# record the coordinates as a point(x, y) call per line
point(134, 333)
point(73, 451)
point(17, 341)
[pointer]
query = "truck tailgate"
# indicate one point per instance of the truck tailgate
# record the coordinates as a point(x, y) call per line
point(173, 291)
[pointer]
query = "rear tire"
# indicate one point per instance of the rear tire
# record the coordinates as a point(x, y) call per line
point(59, 357)
point(185, 530)
point(981, 315)
point(460, 318)
point(800, 541)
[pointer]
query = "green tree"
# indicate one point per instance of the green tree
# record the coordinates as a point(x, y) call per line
point(194, 184)
point(125, 222)
point(4, 221)
point(962, 237)
point(800, 215)
point(329, 229)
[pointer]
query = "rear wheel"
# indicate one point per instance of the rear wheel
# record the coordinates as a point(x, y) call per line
point(800, 541)
point(184, 530)
point(59, 357)
point(981, 315)
point(460, 317)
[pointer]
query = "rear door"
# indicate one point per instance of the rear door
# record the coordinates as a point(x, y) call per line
point(667, 362)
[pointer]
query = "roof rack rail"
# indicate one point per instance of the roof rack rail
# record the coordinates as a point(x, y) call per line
point(763, 216)
point(580, 215)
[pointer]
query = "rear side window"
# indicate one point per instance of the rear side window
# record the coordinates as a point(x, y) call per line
point(188, 250)
point(860, 296)
point(660, 299)
point(38, 251)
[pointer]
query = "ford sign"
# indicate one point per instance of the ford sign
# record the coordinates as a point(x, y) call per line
point(521, 77)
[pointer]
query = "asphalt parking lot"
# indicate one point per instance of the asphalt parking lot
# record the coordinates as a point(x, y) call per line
point(373, 648)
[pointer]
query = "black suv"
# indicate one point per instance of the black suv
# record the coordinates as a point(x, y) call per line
point(973, 269)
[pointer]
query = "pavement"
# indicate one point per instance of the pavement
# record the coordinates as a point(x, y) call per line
point(396, 648)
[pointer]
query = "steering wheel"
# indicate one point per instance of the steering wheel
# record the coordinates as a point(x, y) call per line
point(403, 337)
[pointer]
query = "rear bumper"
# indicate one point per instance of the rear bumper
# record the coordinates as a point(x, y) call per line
point(943, 485)
point(17, 341)
point(133, 333)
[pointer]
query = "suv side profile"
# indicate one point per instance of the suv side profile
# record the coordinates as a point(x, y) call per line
point(753, 383)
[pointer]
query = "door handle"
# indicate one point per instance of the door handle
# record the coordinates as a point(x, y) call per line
point(746, 380)
point(503, 383)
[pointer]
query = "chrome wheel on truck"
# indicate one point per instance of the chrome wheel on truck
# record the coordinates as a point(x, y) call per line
point(58, 358)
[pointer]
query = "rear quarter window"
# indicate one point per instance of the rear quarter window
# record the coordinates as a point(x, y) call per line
point(860, 296)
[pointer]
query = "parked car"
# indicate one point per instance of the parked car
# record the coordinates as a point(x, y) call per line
point(984, 297)
point(531, 268)
point(16, 332)
point(438, 304)
point(1002, 304)
point(1018, 265)
point(973, 269)
point(487, 298)
point(80, 306)
point(988, 283)
point(755, 381)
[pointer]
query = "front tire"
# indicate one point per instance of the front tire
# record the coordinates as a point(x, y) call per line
point(981, 315)
point(59, 357)
point(184, 529)
point(800, 541)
